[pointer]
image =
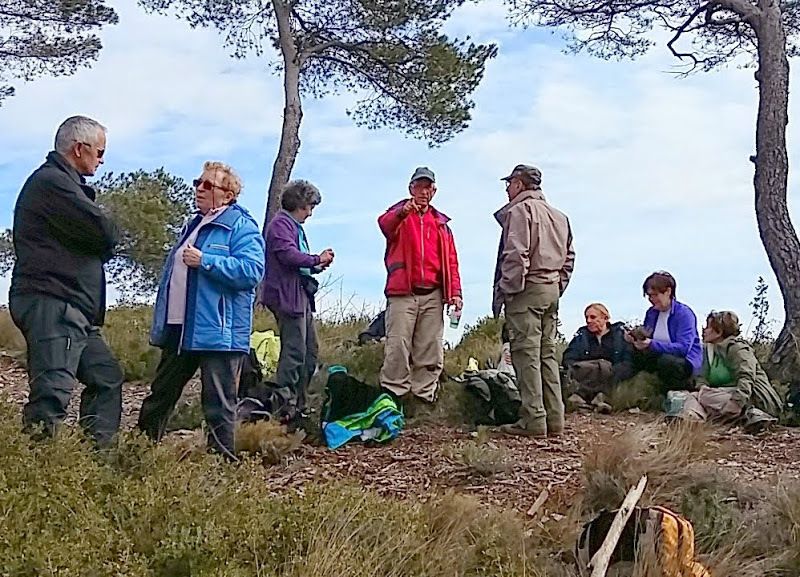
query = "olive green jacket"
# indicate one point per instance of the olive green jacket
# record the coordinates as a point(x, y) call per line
point(752, 385)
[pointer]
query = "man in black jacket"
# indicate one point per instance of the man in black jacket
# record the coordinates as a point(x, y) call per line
point(57, 298)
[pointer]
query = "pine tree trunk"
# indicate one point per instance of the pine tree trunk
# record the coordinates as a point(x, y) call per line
point(292, 110)
point(292, 116)
point(290, 140)
point(772, 167)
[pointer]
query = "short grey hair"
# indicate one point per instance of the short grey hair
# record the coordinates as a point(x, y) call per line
point(299, 194)
point(77, 129)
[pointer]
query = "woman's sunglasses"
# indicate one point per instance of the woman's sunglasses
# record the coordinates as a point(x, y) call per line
point(207, 185)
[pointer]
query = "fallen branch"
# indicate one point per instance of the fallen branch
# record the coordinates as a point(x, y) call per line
point(537, 504)
point(601, 559)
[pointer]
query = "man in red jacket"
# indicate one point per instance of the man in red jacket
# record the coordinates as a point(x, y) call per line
point(422, 267)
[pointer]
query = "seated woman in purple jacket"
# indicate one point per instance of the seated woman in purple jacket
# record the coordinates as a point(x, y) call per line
point(672, 351)
point(288, 289)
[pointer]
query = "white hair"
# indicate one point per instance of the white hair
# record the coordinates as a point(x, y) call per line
point(77, 129)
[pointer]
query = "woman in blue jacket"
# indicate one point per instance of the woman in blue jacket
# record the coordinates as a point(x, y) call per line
point(204, 308)
point(672, 351)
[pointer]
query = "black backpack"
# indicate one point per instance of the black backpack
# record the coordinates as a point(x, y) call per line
point(345, 396)
point(375, 331)
point(259, 400)
point(252, 374)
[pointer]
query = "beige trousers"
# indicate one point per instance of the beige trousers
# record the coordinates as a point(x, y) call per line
point(531, 318)
point(413, 354)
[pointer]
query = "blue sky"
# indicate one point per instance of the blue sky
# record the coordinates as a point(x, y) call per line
point(651, 169)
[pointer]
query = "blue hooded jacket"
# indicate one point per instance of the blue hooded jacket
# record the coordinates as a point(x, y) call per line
point(219, 293)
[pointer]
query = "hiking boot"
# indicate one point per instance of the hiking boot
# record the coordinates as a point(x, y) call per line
point(575, 402)
point(520, 430)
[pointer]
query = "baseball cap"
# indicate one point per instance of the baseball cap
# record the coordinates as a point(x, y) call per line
point(423, 172)
point(534, 173)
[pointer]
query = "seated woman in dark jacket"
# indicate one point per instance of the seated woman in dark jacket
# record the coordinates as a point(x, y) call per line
point(598, 357)
point(672, 351)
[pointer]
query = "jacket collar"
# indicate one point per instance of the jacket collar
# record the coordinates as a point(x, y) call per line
point(58, 159)
point(293, 219)
point(530, 194)
point(228, 217)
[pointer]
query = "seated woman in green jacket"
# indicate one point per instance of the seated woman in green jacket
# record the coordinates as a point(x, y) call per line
point(732, 385)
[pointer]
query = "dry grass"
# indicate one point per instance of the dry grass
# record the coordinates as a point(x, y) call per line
point(668, 455)
point(481, 456)
point(268, 440)
point(741, 530)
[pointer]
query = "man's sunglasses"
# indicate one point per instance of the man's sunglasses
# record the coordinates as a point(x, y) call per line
point(207, 185)
point(100, 151)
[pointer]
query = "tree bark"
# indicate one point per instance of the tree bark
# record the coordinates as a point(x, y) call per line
point(292, 111)
point(775, 227)
point(292, 116)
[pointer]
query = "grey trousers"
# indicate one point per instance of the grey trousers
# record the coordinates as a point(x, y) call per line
point(64, 346)
point(297, 362)
point(219, 376)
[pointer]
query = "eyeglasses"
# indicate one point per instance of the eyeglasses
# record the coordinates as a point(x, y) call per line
point(100, 151)
point(207, 185)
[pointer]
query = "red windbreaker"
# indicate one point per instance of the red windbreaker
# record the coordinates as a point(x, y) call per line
point(420, 252)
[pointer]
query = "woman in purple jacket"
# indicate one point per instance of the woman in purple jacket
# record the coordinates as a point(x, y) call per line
point(289, 287)
point(672, 351)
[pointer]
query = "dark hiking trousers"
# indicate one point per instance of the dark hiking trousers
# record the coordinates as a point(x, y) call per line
point(64, 346)
point(298, 358)
point(219, 375)
point(675, 373)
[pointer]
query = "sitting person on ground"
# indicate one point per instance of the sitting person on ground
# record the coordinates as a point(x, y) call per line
point(598, 356)
point(204, 309)
point(289, 288)
point(731, 380)
point(672, 352)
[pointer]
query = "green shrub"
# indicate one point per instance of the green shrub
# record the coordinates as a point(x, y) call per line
point(140, 511)
point(127, 330)
point(188, 414)
point(11, 340)
point(642, 391)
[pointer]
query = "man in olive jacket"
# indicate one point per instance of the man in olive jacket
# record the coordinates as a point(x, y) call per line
point(534, 265)
point(57, 298)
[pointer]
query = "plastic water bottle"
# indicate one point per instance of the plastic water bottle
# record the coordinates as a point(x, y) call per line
point(455, 317)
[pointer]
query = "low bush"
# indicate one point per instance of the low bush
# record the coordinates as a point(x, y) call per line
point(140, 511)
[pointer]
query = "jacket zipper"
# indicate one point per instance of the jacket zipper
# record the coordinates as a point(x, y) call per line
point(224, 310)
point(422, 248)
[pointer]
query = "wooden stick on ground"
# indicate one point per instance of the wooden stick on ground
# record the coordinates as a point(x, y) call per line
point(601, 559)
point(538, 503)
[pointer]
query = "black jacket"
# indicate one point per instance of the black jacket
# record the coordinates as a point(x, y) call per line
point(61, 239)
point(584, 346)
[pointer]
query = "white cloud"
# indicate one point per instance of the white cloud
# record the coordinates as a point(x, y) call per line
point(165, 92)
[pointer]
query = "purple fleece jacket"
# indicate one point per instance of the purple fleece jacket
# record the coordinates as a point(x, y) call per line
point(682, 327)
point(281, 289)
